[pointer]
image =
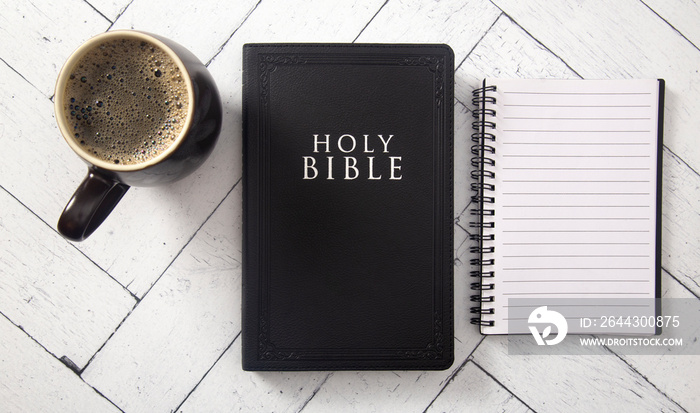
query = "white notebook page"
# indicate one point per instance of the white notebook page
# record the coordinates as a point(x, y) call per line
point(575, 191)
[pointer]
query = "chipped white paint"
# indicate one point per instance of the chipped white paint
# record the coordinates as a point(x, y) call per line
point(586, 381)
point(458, 23)
point(227, 388)
point(683, 15)
point(675, 376)
point(681, 222)
point(179, 349)
point(111, 9)
point(182, 326)
point(38, 37)
point(485, 394)
point(202, 26)
point(31, 380)
point(58, 297)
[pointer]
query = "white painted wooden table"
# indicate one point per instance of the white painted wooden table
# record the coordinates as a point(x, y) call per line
point(145, 315)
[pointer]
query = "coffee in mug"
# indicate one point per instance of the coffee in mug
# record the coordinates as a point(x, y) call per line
point(140, 110)
point(126, 101)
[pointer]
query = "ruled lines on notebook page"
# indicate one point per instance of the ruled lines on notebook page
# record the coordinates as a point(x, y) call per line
point(575, 189)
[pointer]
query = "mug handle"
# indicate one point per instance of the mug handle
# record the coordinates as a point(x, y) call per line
point(91, 203)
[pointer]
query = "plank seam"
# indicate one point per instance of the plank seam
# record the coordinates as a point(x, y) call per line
point(504, 387)
point(160, 276)
point(370, 21)
point(190, 240)
point(454, 373)
point(80, 372)
point(669, 24)
point(23, 78)
point(60, 360)
point(99, 12)
point(681, 159)
point(121, 12)
point(221, 48)
point(206, 373)
point(447, 382)
point(680, 282)
point(644, 377)
point(70, 243)
point(479, 41)
point(537, 40)
point(313, 394)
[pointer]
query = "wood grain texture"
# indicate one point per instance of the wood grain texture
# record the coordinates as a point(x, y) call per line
point(621, 39)
point(31, 380)
point(227, 388)
point(111, 9)
point(374, 391)
point(507, 51)
point(485, 394)
point(182, 326)
point(46, 33)
point(580, 382)
point(681, 222)
point(202, 26)
point(674, 375)
point(683, 15)
point(58, 297)
point(456, 22)
point(36, 164)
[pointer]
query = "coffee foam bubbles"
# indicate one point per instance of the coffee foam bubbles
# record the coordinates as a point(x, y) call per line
point(126, 101)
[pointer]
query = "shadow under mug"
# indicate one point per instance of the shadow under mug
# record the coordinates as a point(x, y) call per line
point(106, 183)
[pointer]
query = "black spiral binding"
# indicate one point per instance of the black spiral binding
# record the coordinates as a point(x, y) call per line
point(482, 187)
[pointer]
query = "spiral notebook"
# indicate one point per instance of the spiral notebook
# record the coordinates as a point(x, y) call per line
point(566, 195)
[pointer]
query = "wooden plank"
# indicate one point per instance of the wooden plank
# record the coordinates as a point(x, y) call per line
point(583, 381)
point(46, 34)
point(31, 380)
point(29, 136)
point(507, 51)
point(226, 385)
point(55, 293)
point(182, 326)
point(202, 26)
point(458, 23)
point(674, 375)
point(472, 390)
point(375, 391)
point(621, 39)
point(683, 15)
point(681, 222)
point(111, 9)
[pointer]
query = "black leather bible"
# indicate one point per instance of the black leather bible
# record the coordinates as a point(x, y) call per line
point(348, 207)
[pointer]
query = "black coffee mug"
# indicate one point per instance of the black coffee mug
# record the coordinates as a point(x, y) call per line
point(107, 182)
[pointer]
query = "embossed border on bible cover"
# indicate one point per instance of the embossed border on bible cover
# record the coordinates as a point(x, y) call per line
point(347, 207)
